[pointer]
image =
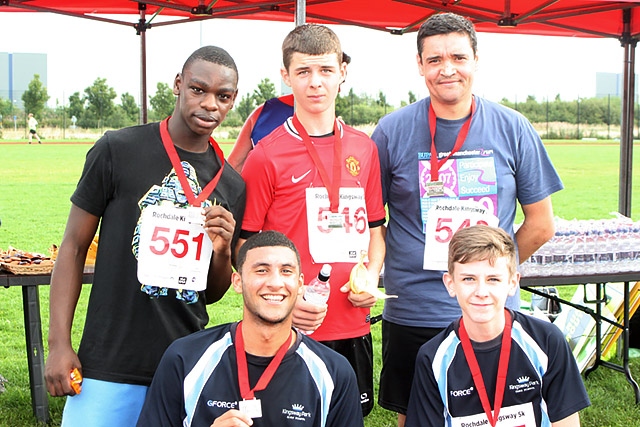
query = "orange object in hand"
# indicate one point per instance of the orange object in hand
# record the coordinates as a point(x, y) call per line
point(75, 379)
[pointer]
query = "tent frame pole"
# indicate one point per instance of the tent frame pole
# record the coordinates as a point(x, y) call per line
point(141, 30)
point(628, 96)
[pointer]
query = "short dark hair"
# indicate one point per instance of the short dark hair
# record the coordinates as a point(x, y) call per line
point(447, 23)
point(265, 239)
point(214, 54)
point(311, 39)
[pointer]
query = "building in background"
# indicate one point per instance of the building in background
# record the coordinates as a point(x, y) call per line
point(610, 84)
point(17, 71)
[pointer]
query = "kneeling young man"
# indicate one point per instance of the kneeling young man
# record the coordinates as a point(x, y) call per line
point(493, 363)
point(259, 371)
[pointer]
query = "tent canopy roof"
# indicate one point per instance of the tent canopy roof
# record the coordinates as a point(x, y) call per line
point(573, 18)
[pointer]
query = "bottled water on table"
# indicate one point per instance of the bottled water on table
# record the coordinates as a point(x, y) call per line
point(587, 247)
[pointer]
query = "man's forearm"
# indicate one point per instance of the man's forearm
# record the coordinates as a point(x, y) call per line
point(219, 278)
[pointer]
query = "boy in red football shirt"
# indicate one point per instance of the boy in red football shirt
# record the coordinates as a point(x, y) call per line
point(318, 181)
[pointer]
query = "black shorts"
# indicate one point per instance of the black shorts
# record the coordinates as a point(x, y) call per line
point(359, 353)
point(400, 345)
point(32, 131)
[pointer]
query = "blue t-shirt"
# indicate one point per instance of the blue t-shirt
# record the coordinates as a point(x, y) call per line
point(501, 162)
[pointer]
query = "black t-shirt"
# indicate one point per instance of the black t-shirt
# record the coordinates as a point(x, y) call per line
point(127, 329)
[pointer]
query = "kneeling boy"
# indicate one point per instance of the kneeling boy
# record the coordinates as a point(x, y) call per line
point(493, 363)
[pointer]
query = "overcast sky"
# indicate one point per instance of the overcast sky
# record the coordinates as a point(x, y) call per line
point(512, 66)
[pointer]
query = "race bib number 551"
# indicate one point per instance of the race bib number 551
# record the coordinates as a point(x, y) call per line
point(174, 250)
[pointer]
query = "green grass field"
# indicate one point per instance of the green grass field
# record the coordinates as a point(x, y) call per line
point(37, 180)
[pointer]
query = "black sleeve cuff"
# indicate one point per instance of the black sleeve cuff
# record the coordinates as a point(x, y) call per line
point(244, 234)
point(378, 223)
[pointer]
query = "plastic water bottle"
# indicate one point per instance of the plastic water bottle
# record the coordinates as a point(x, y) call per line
point(579, 252)
point(562, 254)
point(545, 253)
point(604, 253)
point(624, 248)
point(589, 266)
point(318, 290)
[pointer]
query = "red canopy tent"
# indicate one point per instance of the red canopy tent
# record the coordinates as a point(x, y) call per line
point(583, 18)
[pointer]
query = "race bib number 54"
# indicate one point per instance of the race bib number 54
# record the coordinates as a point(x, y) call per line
point(444, 219)
point(174, 250)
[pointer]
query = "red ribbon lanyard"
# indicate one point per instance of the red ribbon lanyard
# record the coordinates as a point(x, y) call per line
point(246, 392)
point(503, 365)
point(462, 135)
point(177, 166)
point(333, 187)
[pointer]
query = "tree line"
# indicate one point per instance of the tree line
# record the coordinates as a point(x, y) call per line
point(99, 107)
point(593, 111)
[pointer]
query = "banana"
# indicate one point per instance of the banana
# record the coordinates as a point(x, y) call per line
point(359, 280)
point(358, 277)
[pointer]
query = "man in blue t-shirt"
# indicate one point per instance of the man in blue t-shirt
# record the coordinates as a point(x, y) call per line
point(483, 160)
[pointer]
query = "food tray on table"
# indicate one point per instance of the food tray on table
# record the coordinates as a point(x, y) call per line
point(27, 269)
point(17, 261)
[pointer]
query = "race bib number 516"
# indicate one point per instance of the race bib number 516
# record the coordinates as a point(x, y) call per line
point(174, 250)
point(339, 236)
point(444, 219)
